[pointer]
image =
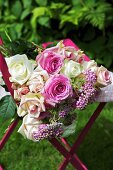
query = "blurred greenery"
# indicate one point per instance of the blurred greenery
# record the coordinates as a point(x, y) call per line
point(89, 23)
point(96, 151)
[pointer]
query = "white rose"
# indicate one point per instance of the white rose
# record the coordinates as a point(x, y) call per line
point(37, 79)
point(29, 126)
point(90, 65)
point(3, 92)
point(33, 103)
point(71, 69)
point(20, 68)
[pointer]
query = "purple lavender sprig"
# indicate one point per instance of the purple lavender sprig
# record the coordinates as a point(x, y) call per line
point(46, 131)
point(87, 91)
point(64, 112)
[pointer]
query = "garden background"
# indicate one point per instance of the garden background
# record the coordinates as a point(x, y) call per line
point(89, 23)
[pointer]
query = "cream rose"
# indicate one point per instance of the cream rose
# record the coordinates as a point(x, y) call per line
point(71, 69)
point(37, 79)
point(21, 112)
point(90, 65)
point(33, 103)
point(20, 68)
point(103, 77)
point(29, 126)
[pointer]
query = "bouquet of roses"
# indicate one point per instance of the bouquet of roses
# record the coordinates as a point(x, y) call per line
point(48, 90)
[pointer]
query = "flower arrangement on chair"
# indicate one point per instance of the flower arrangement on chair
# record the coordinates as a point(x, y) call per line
point(49, 89)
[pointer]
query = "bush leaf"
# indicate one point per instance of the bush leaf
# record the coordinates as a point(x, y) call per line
point(7, 107)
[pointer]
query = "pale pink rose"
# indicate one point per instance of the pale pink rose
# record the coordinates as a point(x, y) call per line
point(103, 77)
point(57, 48)
point(68, 52)
point(56, 89)
point(50, 61)
point(37, 79)
point(23, 90)
point(71, 53)
point(18, 93)
point(33, 103)
point(36, 83)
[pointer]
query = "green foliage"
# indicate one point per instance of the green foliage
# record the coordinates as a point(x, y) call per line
point(87, 22)
point(69, 130)
point(7, 108)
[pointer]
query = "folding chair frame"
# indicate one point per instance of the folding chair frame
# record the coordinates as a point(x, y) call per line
point(67, 151)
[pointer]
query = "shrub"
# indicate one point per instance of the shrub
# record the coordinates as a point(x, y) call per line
point(87, 22)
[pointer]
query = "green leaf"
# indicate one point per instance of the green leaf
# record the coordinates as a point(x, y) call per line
point(25, 13)
point(7, 107)
point(107, 56)
point(38, 12)
point(27, 3)
point(1, 3)
point(57, 5)
point(44, 21)
point(68, 130)
point(76, 2)
point(73, 16)
point(16, 8)
point(41, 2)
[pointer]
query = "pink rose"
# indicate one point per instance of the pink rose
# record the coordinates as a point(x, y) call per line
point(50, 61)
point(57, 88)
point(103, 77)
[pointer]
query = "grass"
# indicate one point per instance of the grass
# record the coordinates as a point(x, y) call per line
point(96, 151)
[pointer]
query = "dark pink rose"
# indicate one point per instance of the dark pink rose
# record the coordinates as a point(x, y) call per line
point(57, 88)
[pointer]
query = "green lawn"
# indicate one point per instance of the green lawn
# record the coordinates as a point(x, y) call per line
point(96, 151)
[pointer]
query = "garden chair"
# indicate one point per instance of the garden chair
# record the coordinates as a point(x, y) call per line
point(62, 145)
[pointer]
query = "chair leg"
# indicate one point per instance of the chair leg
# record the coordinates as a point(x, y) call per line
point(72, 159)
point(68, 147)
point(84, 131)
point(8, 133)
